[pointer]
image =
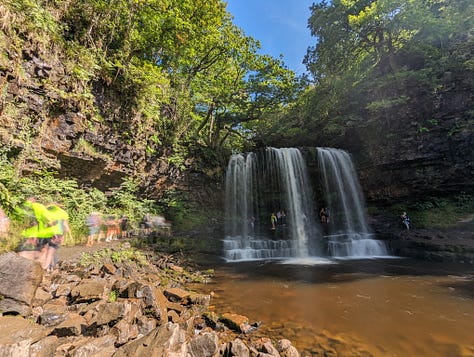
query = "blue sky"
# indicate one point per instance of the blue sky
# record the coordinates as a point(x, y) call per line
point(279, 25)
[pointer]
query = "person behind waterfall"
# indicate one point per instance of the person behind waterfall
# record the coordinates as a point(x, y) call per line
point(327, 214)
point(273, 219)
point(322, 215)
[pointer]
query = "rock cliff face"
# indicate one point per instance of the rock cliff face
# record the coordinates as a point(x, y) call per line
point(422, 148)
point(51, 120)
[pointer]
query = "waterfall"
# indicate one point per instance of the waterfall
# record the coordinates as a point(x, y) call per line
point(348, 234)
point(298, 197)
point(274, 181)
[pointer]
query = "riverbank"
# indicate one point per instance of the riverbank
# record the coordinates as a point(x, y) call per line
point(114, 300)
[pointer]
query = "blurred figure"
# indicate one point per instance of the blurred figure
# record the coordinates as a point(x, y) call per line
point(60, 227)
point(93, 222)
point(4, 224)
point(46, 232)
point(112, 228)
point(124, 226)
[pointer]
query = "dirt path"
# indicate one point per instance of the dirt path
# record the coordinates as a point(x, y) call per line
point(75, 252)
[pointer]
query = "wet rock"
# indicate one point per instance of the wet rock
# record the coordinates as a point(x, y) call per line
point(265, 345)
point(234, 321)
point(238, 348)
point(19, 280)
point(286, 349)
point(199, 299)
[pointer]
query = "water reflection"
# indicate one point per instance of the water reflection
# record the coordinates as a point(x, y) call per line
point(353, 308)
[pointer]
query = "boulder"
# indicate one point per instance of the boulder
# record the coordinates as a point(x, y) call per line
point(234, 321)
point(238, 348)
point(166, 340)
point(177, 295)
point(21, 335)
point(98, 347)
point(19, 280)
point(286, 349)
point(204, 345)
point(88, 290)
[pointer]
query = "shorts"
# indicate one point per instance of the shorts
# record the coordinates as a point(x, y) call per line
point(93, 230)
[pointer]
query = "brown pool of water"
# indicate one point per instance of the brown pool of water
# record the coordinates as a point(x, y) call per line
point(354, 308)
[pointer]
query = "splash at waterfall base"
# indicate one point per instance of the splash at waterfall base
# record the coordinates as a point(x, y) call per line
point(273, 181)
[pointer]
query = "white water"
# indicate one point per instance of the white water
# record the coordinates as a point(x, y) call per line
point(349, 235)
point(277, 179)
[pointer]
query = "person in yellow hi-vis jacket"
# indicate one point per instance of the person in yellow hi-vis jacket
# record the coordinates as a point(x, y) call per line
point(42, 239)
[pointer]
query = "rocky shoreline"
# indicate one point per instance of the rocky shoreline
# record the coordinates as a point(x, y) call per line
point(119, 302)
point(454, 244)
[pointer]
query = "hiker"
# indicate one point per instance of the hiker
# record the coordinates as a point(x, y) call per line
point(112, 228)
point(47, 227)
point(59, 227)
point(124, 226)
point(93, 222)
point(405, 220)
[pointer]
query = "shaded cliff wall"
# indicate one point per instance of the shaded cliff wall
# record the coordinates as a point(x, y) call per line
point(423, 147)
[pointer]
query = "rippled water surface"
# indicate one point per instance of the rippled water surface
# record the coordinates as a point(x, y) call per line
point(389, 307)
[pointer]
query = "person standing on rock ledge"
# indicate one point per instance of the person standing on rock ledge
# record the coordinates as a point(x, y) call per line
point(405, 220)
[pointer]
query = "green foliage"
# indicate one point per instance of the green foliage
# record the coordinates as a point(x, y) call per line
point(125, 200)
point(107, 255)
point(113, 295)
point(375, 61)
point(437, 212)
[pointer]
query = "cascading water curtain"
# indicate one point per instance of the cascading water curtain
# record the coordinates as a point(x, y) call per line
point(298, 199)
point(239, 195)
point(342, 192)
